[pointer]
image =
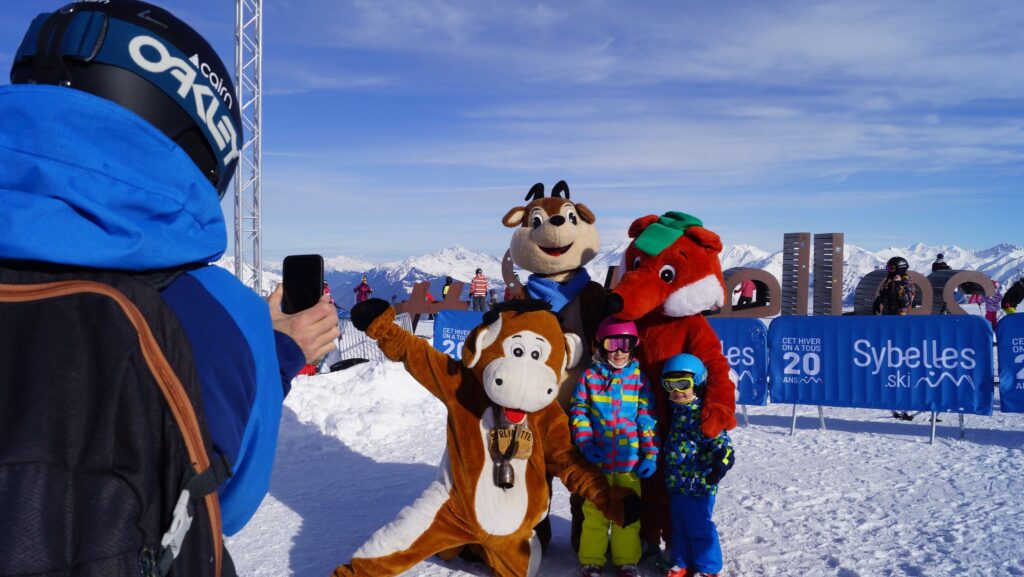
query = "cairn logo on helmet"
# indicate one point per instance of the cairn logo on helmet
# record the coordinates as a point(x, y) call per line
point(221, 128)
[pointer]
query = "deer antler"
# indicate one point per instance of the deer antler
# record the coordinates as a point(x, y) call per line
point(559, 188)
point(536, 191)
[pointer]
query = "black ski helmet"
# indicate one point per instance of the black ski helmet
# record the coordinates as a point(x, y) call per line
point(897, 264)
point(148, 61)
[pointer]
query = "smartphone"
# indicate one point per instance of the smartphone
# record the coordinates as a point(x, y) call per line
point(303, 282)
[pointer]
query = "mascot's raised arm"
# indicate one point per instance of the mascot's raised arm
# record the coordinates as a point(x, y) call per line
point(506, 434)
point(554, 237)
point(670, 274)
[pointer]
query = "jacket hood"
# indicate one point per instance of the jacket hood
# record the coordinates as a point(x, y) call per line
point(86, 182)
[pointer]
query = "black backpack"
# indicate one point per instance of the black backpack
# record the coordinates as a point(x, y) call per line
point(106, 465)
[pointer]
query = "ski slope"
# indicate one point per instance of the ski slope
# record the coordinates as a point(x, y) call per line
point(869, 496)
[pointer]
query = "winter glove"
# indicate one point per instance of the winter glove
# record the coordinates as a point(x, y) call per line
point(364, 313)
point(631, 509)
point(714, 419)
point(592, 453)
point(722, 459)
point(647, 467)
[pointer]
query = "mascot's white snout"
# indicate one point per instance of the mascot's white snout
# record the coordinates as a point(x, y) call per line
point(521, 379)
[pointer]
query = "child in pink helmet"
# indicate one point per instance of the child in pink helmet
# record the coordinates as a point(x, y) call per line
point(612, 418)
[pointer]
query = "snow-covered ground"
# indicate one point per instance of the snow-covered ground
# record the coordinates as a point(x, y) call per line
point(867, 497)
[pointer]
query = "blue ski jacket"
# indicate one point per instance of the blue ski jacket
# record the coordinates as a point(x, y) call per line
point(688, 452)
point(85, 182)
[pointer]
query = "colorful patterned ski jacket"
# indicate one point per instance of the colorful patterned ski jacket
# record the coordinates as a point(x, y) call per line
point(895, 295)
point(688, 452)
point(614, 409)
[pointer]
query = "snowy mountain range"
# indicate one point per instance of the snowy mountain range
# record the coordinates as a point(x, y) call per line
point(1003, 262)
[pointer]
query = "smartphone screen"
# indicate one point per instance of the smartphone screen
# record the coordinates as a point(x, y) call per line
point(303, 282)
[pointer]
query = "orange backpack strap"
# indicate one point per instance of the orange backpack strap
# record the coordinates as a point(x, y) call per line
point(170, 386)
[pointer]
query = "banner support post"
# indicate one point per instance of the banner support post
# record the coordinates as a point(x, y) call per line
point(821, 417)
point(746, 419)
point(963, 429)
point(932, 440)
point(792, 426)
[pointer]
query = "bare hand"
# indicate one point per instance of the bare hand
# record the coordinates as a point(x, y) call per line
point(315, 329)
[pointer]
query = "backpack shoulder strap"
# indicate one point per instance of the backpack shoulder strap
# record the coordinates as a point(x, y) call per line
point(170, 386)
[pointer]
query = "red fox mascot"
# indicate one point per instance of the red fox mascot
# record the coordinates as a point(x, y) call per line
point(669, 275)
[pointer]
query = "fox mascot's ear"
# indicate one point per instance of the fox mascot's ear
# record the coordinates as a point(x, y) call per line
point(705, 238)
point(640, 224)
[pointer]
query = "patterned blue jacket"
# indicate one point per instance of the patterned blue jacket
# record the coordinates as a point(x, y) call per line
point(688, 452)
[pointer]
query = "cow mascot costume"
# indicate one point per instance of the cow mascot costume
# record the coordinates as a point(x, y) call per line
point(506, 434)
point(670, 274)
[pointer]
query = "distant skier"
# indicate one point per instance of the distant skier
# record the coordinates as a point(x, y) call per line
point(896, 297)
point(990, 303)
point(478, 291)
point(746, 292)
point(940, 263)
point(362, 290)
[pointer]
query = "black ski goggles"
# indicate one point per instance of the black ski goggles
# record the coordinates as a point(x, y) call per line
point(677, 384)
point(623, 343)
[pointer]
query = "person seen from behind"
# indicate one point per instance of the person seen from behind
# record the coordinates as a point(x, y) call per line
point(478, 291)
point(746, 292)
point(102, 149)
point(940, 263)
point(446, 287)
point(362, 290)
point(694, 466)
point(991, 304)
point(612, 420)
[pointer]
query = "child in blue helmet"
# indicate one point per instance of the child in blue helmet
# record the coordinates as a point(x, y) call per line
point(694, 464)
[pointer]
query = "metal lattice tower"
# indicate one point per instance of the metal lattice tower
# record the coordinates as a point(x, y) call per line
point(248, 187)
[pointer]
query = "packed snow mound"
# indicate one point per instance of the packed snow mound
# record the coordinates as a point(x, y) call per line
point(869, 496)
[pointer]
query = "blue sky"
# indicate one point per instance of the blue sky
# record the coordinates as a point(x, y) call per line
point(397, 128)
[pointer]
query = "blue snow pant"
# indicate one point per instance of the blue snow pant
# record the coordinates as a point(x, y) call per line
point(694, 535)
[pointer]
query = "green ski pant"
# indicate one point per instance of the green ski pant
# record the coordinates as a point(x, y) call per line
point(594, 538)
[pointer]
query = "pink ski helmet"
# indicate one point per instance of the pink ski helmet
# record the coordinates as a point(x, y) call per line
point(616, 334)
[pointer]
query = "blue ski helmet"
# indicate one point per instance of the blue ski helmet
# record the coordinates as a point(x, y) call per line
point(148, 61)
point(686, 363)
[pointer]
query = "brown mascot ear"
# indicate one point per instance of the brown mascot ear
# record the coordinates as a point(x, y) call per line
point(585, 214)
point(514, 217)
point(705, 238)
point(640, 224)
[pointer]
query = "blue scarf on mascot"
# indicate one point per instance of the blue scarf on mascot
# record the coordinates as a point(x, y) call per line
point(556, 293)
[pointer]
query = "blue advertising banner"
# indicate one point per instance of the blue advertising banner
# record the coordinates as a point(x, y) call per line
point(914, 363)
point(451, 328)
point(745, 346)
point(1011, 363)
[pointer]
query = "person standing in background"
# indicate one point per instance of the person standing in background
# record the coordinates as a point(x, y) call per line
point(746, 292)
point(362, 290)
point(940, 263)
point(478, 291)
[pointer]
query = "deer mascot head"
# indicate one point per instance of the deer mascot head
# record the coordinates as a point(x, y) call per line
point(554, 236)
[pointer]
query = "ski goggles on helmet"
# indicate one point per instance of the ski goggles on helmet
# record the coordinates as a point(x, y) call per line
point(624, 343)
point(677, 384)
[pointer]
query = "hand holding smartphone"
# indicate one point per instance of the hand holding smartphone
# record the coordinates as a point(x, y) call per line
point(303, 282)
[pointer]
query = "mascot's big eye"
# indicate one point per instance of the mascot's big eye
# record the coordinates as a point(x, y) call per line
point(667, 273)
point(518, 351)
point(535, 355)
point(572, 217)
point(636, 263)
point(536, 222)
